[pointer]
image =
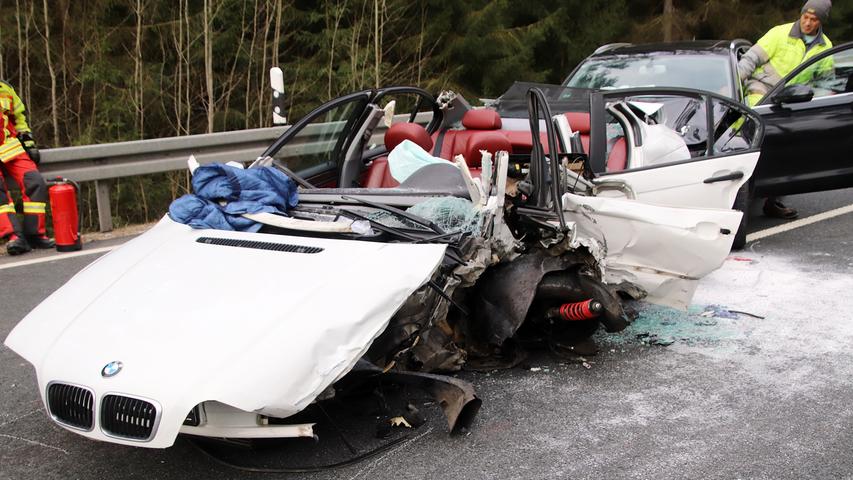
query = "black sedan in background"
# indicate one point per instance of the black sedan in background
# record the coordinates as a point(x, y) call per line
point(808, 144)
point(808, 117)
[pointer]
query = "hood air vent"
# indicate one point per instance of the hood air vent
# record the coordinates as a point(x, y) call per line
point(278, 247)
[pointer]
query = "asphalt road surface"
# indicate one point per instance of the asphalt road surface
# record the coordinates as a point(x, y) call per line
point(733, 396)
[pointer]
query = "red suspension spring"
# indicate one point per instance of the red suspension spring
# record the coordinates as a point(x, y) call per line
point(575, 311)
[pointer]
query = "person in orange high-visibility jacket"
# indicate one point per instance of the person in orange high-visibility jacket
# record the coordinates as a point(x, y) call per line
point(18, 162)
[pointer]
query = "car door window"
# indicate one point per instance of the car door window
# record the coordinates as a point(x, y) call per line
point(677, 127)
point(314, 144)
point(830, 75)
point(734, 130)
point(694, 148)
point(317, 144)
point(671, 127)
point(407, 106)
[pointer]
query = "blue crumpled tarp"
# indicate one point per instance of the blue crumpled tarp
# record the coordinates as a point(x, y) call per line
point(254, 190)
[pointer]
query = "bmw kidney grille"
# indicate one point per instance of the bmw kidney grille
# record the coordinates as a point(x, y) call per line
point(127, 417)
point(71, 405)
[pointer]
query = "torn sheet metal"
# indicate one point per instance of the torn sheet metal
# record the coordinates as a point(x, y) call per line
point(252, 328)
point(221, 421)
point(664, 250)
point(504, 293)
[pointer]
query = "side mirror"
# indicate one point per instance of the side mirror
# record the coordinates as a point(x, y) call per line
point(793, 94)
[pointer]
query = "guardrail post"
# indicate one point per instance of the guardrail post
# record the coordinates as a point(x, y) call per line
point(102, 195)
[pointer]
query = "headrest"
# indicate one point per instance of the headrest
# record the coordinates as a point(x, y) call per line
point(481, 119)
point(490, 141)
point(579, 121)
point(407, 131)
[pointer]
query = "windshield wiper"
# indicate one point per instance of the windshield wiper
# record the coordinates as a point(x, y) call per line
point(402, 234)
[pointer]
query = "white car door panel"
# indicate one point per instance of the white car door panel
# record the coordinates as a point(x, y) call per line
point(684, 184)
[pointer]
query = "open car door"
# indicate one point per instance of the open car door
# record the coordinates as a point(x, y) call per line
point(809, 118)
point(663, 249)
point(684, 147)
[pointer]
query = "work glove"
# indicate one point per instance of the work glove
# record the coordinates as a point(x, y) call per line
point(29, 144)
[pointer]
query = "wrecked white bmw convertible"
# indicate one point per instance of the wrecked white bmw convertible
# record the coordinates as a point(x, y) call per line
point(401, 256)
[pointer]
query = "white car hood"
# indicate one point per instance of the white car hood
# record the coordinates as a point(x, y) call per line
point(260, 330)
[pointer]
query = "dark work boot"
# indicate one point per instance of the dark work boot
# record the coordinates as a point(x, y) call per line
point(775, 209)
point(40, 241)
point(17, 246)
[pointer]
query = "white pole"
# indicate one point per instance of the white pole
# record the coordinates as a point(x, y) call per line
point(277, 83)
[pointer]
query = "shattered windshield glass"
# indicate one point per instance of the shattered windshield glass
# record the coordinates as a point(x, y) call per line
point(450, 214)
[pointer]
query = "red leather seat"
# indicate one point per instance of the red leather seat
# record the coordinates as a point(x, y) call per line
point(455, 142)
point(482, 119)
point(617, 157)
point(579, 121)
point(378, 174)
point(399, 132)
point(491, 142)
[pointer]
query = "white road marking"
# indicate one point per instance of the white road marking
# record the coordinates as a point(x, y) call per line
point(59, 256)
point(20, 417)
point(33, 442)
point(799, 223)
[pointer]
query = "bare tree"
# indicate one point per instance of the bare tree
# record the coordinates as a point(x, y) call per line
point(261, 91)
point(208, 63)
point(668, 10)
point(20, 47)
point(138, 88)
point(54, 113)
point(248, 94)
point(377, 42)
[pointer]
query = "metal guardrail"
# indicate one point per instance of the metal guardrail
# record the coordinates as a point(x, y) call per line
point(102, 163)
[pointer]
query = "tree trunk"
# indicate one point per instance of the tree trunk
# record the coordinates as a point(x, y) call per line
point(668, 10)
point(248, 95)
point(53, 109)
point(377, 52)
point(208, 64)
point(20, 48)
point(137, 74)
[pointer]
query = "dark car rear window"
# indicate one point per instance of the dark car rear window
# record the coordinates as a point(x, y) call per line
point(711, 72)
point(561, 99)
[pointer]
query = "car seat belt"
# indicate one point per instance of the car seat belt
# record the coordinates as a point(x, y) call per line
point(439, 140)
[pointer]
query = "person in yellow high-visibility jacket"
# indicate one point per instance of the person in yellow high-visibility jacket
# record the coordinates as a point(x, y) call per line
point(777, 54)
point(18, 162)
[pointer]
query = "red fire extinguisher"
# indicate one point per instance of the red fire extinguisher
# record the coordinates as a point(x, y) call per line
point(66, 218)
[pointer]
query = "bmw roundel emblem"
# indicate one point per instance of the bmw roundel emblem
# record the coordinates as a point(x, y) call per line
point(111, 369)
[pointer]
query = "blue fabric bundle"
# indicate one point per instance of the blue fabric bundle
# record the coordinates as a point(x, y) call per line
point(254, 190)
